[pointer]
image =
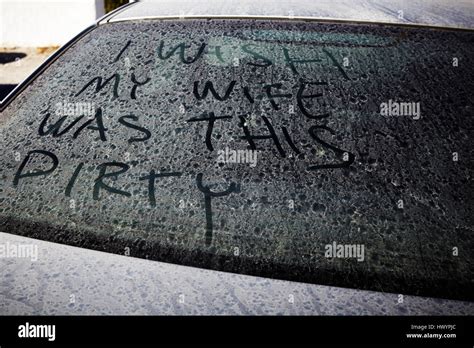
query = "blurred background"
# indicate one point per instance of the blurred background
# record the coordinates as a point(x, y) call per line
point(31, 30)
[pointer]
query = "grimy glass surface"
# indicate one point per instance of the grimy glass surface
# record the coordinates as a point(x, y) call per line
point(326, 153)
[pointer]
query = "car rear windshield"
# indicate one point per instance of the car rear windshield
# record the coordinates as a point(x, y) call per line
point(336, 154)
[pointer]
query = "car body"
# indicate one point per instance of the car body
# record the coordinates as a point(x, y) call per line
point(194, 268)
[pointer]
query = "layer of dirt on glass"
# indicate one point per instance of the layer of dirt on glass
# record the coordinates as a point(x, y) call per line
point(326, 153)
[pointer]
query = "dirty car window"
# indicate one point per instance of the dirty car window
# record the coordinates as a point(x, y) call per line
point(334, 154)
